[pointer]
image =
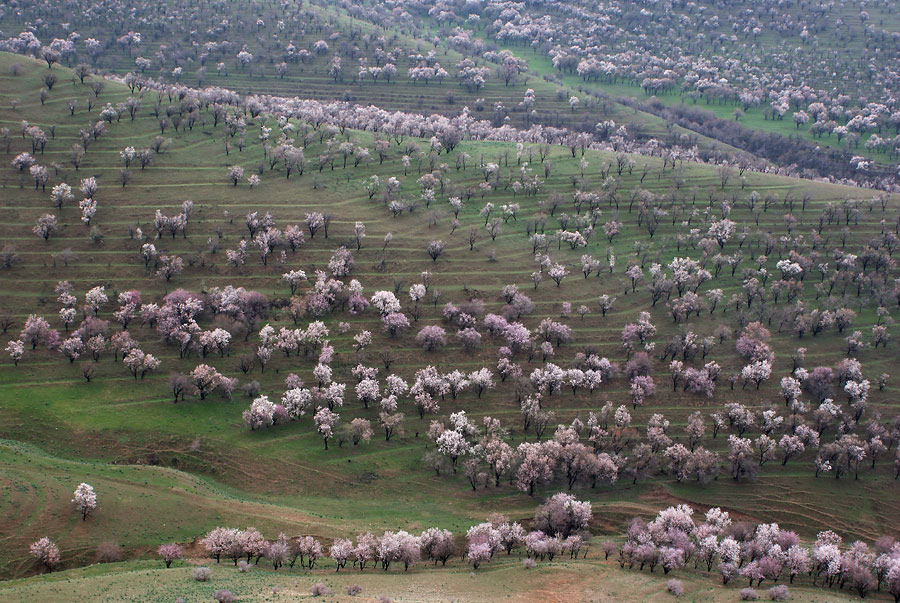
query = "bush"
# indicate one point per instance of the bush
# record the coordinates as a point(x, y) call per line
point(202, 574)
point(96, 235)
point(354, 590)
point(224, 596)
point(675, 587)
point(383, 599)
point(243, 566)
point(779, 593)
point(528, 563)
point(109, 552)
point(319, 590)
point(252, 389)
point(748, 594)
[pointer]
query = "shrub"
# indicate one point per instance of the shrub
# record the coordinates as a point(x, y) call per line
point(319, 590)
point(109, 552)
point(528, 563)
point(675, 587)
point(748, 594)
point(252, 389)
point(224, 596)
point(779, 593)
point(96, 235)
point(202, 574)
point(383, 599)
point(354, 590)
point(243, 566)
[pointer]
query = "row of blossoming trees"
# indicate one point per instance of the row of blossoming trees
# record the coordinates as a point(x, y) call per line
point(757, 553)
point(561, 526)
point(673, 540)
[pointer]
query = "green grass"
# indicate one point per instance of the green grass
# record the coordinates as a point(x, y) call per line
point(502, 579)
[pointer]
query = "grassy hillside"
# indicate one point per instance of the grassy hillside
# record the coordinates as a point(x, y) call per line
point(812, 47)
point(559, 581)
point(352, 38)
point(214, 471)
point(141, 507)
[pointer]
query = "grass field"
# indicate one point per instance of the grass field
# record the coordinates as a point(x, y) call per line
point(60, 430)
point(582, 580)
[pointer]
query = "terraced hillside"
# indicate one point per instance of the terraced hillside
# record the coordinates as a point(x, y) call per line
point(167, 471)
point(328, 52)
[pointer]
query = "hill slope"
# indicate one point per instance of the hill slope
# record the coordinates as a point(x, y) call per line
point(283, 478)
